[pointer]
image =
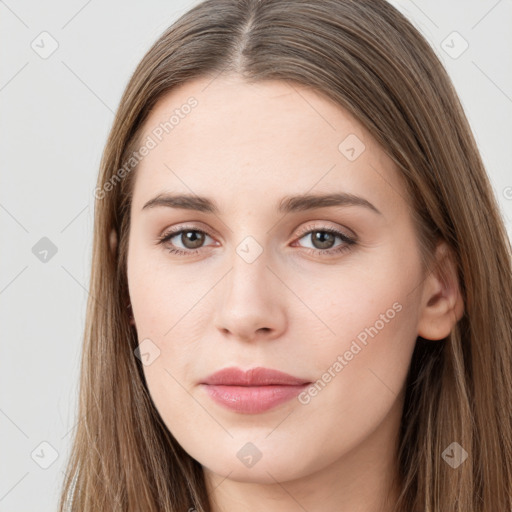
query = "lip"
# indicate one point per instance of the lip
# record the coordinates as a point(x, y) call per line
point(253, 391)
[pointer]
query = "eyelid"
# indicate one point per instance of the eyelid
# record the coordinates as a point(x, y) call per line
point(310, 226)
point(307, 228)
point(185, 226)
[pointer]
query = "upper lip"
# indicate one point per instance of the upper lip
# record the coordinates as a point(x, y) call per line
point(259, 376)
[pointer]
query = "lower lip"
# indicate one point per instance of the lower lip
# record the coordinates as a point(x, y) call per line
point(252, 399)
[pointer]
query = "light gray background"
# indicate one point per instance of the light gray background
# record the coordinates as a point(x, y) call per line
point(55, 117)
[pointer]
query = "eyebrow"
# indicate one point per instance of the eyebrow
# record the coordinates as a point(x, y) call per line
point(287, 205)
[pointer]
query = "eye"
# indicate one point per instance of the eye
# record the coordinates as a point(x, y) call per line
point(323, 240)
point(191, 240)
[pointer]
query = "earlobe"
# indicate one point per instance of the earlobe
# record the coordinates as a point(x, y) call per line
point(130, 312)
point(442, 304)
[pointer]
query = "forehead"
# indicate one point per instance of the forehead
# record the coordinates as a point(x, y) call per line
point(228, 138)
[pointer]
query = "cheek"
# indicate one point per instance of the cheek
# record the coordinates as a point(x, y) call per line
point(162, 294)
point(165, 304)
point(364, 356)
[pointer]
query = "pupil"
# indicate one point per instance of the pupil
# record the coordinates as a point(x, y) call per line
point(192, 239)
point(320, 237)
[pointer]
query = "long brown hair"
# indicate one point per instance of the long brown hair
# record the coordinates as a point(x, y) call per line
point(366, 56)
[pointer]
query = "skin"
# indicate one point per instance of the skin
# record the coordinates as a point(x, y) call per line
point(246, 146)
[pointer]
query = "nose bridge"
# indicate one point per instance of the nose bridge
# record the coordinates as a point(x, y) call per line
point(249, 276)
point(249, 300)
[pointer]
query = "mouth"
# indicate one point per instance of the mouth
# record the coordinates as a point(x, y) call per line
point(253, 391)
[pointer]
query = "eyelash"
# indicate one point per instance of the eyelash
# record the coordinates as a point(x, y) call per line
point(348, 242)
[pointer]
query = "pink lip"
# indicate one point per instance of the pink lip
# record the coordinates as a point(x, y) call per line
point(254, 391)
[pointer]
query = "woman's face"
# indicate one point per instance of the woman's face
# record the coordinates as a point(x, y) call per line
point(327, 290)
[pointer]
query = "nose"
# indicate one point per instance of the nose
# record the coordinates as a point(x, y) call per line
point(252, 302)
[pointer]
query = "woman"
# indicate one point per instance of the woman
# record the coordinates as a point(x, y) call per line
point(301, 284)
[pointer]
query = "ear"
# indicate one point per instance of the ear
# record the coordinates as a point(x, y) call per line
point(442, 305)
point(113, 240)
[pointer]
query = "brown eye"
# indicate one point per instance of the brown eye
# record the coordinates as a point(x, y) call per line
point(322, 239)
point(183, 241)
point(192, 239)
